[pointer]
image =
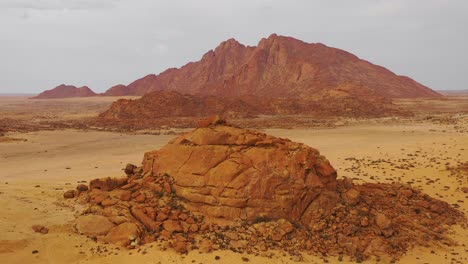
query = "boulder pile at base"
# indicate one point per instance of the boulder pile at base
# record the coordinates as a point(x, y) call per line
point(222, 187)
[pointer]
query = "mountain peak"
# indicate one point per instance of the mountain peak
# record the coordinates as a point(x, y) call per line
point(231, 41)
point(273, 36)
point(280, 40)
point(279, 67)
point(227, 45)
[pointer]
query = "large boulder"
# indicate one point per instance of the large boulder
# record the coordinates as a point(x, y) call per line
point(123, 234)
point(93, 225)
point(228, 173)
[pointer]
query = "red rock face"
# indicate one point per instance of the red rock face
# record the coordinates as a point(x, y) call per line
point(229, 173)
point(280, 67)
point(65, 91)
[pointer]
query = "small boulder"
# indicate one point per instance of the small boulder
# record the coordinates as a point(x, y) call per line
point(98, 197)
point(69, 194)
point(161, 217)
point(93, 225)
point(180, 246)
point(352, 197)
point(107, 184)
point(285, 226)
point(130, 169)
point(408, 193)
point(125, 195)
point(172, 226)
point(82, 187)
point(40, 229)
point(382, 221)
point(147, 221)
point(364, 221)
point(205, 246)
point(108, 202)
point(167, 187)
point(140, 198)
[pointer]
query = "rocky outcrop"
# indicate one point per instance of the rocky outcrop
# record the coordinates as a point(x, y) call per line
point(160, 108)
point(230, 173)
point(169, 104)
point(222, 187)
point(66, 91)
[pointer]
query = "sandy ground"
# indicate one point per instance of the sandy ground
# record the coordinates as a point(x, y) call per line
point(20, 107)
point(34, 174)
point(36, 169)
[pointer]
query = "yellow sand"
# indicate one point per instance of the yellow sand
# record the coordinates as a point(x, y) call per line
point(36, 173)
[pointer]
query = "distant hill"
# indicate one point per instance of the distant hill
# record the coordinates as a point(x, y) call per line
point(454, 92)
point(65, 91)
point(17, 94)
point(117, 90)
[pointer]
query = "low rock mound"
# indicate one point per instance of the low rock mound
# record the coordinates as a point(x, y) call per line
point(221, 187)
point(171, 108)
point(231, 174)
point(66, 91)
point(153, 108)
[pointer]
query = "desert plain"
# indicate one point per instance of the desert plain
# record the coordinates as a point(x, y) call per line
point(38, 163)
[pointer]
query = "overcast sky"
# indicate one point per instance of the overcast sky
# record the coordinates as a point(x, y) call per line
point(100, 43)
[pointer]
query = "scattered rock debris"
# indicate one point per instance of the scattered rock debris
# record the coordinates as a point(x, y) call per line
point(250, 193)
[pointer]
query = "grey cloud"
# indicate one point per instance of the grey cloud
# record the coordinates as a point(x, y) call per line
point(57, 4)
point(101, 42)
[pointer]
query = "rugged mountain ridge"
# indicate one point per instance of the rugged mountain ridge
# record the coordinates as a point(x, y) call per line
point(279, 67)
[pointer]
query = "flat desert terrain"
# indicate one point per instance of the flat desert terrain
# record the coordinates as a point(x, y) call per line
point(21, 107)
point(38, 168)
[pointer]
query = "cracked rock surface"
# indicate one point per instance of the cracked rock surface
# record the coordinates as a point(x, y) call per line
point(229, 173)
